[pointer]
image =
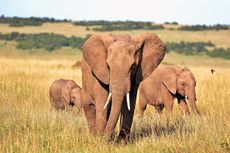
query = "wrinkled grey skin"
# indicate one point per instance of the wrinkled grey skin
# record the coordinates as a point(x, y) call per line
point(64, 94)
point(166, 83)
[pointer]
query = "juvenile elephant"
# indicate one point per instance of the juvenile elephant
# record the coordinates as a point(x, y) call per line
point(112, 68)
point(166, 83)
point(64, 94)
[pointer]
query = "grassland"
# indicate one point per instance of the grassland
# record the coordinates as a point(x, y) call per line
point(220, 38)
point(28, 125)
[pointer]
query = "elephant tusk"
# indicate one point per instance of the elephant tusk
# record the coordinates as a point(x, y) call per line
point(128, 101)
point(186, 99)
point(108, 100)
point(197, 101)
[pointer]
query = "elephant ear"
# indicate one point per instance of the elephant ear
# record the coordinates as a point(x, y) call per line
point(65, 92)
point(95, 54)
point(152, 51)
point(169, 79)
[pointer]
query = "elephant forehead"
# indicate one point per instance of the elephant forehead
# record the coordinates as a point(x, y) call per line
point(120, 53)
point(121, 50)
point(121, 46)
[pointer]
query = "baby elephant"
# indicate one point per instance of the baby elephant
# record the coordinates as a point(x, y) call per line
point(64, 94)
point(166, 83)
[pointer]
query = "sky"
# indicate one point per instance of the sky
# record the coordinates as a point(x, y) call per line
point(159, 11)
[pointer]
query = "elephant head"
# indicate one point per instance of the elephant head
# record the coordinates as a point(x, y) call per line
point(120, 61)
point(75, 96)
point(182, 81)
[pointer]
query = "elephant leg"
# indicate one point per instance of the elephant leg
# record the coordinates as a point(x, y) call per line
point(127, 116)
point(90, 111)
point(159, 108)
point(142, 103)
point(183, 106)
point(169, 105)
point(167, 99)
point(68, 108)
point(101, 114)
point(194, 107)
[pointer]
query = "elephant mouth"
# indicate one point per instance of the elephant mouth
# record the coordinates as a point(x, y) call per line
point(186, 99)
point(109, 99)
point(71, 103)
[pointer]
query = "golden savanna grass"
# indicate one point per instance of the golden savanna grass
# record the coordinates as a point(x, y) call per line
point(28, 125)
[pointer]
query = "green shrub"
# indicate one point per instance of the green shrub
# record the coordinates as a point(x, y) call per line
point(43, 40)
point(119, 25)
point(92, 23)
point(220, 52)
point(197, 48)
point(31, 21)
point(189, 48)
point(174, 22)
point(204, 27)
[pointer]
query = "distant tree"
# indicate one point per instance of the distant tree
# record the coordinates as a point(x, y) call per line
point(31, 21)
point(220, 52)
point(174, 22)
point(43, 40)
point(204, 27)
point(189, 48)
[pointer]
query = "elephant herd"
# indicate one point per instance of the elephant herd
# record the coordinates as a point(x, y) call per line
point(113, 67)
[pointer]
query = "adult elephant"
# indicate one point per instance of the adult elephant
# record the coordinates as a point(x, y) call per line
point(112, 68)
point(166, 83)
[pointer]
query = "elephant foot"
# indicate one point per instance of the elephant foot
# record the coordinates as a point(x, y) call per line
point(124, 137)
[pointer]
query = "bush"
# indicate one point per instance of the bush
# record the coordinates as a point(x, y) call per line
point(204, 27)
point(196, 48)
point(189, 48)
point(220, 52)
point(174, 22)
point(129, 26)
point(44, 40)
point(92, 23)
point(31, 21)
point(119, 25)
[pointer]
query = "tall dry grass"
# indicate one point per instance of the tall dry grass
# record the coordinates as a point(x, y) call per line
point(28, 125)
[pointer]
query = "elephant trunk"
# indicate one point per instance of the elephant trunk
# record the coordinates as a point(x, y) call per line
point(191, 98)
point(117, 99)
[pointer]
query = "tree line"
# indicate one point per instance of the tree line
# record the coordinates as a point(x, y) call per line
point(204, 27)
point(189, 48)
point(107, 25)
point(198, 48)
point(119, 25)
point(48, 41)
point(31, 21)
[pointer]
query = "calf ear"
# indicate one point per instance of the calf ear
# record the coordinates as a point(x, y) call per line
point(152, 51)
point(66, 93)
point(95, 54)
point(169, 80)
